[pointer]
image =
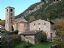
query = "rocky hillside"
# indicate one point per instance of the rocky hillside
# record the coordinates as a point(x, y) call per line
point(42, 10)
point(32, 9)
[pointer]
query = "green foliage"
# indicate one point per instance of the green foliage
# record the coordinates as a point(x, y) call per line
point(9, 40)
point(40, 45)
point(3, 31)
point(23, 45)
point(56, 10)
point(59, 40)
point(42, 37)
point(60, 28)
point(2, 22)
point(0, 19)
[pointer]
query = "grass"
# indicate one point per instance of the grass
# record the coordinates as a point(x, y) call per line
point(26, 45)
point(42, 45)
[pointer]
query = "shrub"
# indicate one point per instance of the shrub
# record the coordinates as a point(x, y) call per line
point(41, 37)
point(27, 45)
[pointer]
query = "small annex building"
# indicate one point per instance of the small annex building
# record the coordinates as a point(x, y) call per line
point(33, 37)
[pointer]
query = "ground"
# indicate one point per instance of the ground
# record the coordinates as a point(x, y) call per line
point(40, 45)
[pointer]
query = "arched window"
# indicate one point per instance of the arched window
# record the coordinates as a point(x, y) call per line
point(11, 10)
point(51, 36)
point(44, 23)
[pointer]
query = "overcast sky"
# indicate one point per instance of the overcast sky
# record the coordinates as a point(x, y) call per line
point(19, 5)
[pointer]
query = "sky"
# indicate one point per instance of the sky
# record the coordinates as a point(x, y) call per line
point(19, 5)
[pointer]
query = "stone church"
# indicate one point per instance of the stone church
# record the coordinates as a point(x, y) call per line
point(15, 24)
point(27, 30)
point(11, 23)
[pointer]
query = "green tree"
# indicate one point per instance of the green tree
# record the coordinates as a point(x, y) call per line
point(2, 22)
point(59, 40)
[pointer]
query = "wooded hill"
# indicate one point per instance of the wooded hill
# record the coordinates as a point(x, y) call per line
point(42, 10)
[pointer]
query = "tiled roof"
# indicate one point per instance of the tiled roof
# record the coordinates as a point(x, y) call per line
point(9, 7)
point(20, 20)
point(30, 33)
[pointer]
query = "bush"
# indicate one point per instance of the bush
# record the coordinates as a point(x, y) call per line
point(27, 45)
point(41, 37)
point(9, 40)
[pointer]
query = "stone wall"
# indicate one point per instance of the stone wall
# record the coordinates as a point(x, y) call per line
point(42, 25)
point(29, 38)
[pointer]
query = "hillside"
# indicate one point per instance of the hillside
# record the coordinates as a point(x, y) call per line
point(44, 11)
point(31, 9)
point(56, 10)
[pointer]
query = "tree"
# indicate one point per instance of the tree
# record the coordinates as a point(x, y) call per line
point(0, 19)
point(2, 22)
point(59, 40)
point(60, 29)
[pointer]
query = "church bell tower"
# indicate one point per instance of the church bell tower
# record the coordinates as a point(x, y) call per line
point(9, 18)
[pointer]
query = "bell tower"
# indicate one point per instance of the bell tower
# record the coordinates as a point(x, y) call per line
point(9, 18)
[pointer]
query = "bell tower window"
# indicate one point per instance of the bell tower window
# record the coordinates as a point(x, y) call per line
point(11, 10)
